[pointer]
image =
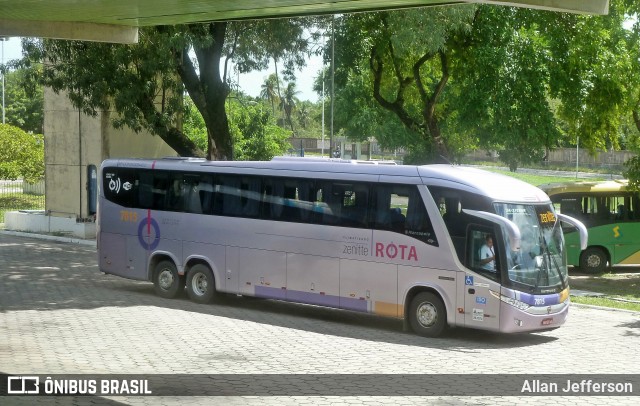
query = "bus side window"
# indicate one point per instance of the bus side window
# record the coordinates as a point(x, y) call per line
point(290, 209)
point(332, 199)
point(306, 198)
point(231, 195)
point(418, 222)
point(391, 202)
point(191, 196)
point(153, 190)
point(175, 195)
point(570, 206)
point(145, 193)
point(355, 205)
point(273, 199)
point(476, 245)
point(250, 190)
point(205, 191)
point(400, 208)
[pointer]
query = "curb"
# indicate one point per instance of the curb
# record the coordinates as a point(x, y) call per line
point(91, 243)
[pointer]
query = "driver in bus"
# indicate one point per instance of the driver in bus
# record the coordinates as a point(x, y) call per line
point(487, 255)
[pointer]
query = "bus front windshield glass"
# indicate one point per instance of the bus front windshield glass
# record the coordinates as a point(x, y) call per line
point(540, 266)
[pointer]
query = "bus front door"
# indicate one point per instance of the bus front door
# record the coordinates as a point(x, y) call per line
point(482, 309)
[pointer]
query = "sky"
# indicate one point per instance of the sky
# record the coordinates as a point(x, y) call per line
point(12, 48)
point(250, 83)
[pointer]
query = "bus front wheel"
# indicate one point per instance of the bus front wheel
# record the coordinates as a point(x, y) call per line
point(201, 287)
point(427, 315)
point(593, 260)
point(166, 281)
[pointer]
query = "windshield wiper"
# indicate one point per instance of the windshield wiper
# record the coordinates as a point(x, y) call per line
point(550, 259)
point(555, 267)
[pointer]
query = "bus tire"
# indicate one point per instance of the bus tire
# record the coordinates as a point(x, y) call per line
point(166, 281)
point(593, 260)
point(427, 315)
point(201, 286)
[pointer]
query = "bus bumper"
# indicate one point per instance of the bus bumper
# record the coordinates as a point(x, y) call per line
point(513, 320)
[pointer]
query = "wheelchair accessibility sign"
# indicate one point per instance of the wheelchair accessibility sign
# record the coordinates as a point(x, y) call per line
point(468, 280)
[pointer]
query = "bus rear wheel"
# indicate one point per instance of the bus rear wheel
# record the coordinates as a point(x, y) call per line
point(201, 286)
point(427, 315)
point(166, 281)
point(593, 260)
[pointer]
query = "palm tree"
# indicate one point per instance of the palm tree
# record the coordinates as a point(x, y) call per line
point(288, 102)
point(269, 91)
point(304, 114)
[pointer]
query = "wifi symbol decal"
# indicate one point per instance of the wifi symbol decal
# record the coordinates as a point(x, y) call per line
point(114, 185)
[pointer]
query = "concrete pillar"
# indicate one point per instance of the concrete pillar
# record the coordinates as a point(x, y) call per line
point(73, 141)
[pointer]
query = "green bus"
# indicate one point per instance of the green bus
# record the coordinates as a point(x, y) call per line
point(611, 214)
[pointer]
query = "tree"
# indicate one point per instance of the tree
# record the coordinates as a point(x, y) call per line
point(408, 57)
point(502, 77)
point(21, 154)
point(269, 91)
point(360, 117)
point(255, 136)
point(595, 75)
point(304, 114)
point(632, 173)
point(23, 109)
point(144, 83)
point(288, 103)
point(516, 80)
point(193, 125)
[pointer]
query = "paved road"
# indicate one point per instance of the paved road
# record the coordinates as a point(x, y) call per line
point(59, 314)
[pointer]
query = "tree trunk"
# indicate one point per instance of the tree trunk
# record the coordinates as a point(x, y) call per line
point(175, 138)
point(221, 147)
point(181, 143)
point(441, 153)
point(428, 126)
point(209, 91)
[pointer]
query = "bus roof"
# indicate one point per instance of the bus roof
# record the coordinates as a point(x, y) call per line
point(493, 185)
point(585, 186)
point(334, 160)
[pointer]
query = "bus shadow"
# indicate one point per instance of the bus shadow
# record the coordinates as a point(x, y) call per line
point(343, 323)
point(50, 276)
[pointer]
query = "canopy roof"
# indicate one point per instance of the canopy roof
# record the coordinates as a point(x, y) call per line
point(118, 20)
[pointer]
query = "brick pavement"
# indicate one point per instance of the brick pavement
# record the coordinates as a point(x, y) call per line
point(59, 314)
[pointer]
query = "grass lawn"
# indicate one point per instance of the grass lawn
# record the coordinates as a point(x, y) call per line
point(621, 288)
point(537, 180)
point(19, 201)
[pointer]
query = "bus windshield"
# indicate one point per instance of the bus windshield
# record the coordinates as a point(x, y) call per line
point(540, 266)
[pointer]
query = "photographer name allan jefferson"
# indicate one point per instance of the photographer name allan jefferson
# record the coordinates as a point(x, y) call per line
point(583, 386)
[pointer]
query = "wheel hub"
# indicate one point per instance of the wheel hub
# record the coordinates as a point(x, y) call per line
point(593, 261)
point(166, 279)
point(427, 314)
point(200, 284)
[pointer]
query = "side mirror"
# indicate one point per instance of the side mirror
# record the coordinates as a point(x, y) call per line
point(584, 235)
point(512, 230)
